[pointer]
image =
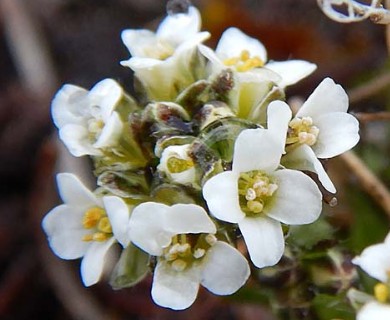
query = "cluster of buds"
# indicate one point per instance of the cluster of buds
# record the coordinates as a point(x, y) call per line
point(205, 154)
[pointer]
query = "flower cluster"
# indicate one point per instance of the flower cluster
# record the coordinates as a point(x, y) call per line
point(205, 155)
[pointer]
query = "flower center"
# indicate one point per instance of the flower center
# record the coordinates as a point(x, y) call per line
point(301, 130)
point(255, 189)
point(160, 50)
point(96, 220)
point(182, 253)
point(244, 62)
point(381, 292)
point(95, 127)
point(177, 165)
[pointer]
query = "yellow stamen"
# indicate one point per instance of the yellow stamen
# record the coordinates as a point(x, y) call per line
point(92, 217)
point(381, 292)
point(100, 236)
point(105, 225)
point(244, 62)
point(302, 131)
point(88, 237)
point(177, 165)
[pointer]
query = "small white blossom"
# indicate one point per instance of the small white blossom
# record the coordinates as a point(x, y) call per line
point(182, 237)
point(85, 226)
point(246, 54)
point(176, 163)
point(282, 195)
point(160, 59)
point(322, 128)
point(87, 121)
point(375, 260)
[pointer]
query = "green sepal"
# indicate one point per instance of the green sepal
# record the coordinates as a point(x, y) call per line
point(221, 135)
point(167, 141)
point(125, 184)
point(132, 267)
point(171, 194)
point(194, 96)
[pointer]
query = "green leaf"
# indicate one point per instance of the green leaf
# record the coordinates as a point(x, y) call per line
point(307, 236)
point(132, 267)
point(329, 307)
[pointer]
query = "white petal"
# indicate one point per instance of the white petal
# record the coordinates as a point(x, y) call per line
point(137, 41)
point(304, 158)
point(264, 240)
point(233, 41)
point(74, 192)
point(175, 289)
point(256, 149)
point(328, 97)
point(111, 132)
point(93, 262)
point(65, 232)
point(278, 117)
point(291, 71)
point(137, 64)
point(297, 199)
point(188, 218)
point(375, 260)
point(339, 132)
point(76, 139)
point(210, 54)
point(177, 28)
point(119, 215)
point(68, 104)
point(106, 94)
point(225, 269)
point(221, 195)
point(374, 311)
point(147, 227)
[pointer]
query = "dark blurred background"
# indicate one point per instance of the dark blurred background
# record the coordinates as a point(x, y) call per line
point(45, 43)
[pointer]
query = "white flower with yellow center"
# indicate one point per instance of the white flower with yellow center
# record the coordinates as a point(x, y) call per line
point(188, 253)
point(177, 164)
point(258, 196)
point(323, 129)
point(161, 58)
point(85, 226)
point(323, 123)
point(242, 53)
point(87, 120)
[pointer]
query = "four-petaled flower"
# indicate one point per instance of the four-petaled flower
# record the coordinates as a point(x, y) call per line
point(242, 53)
point(188, 253)
point(259, 196)
point(161, 60)
point(323, 129)
point(87, 121)
point(85, 226)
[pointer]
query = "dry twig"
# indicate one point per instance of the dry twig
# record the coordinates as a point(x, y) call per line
point(368, 180)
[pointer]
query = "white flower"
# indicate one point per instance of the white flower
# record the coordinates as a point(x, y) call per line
point(323, 122)
point(322, 128)
point(375, 260)
point(86, 120)
point(161, 59)
point(85, 226)
point(258, 196)
point(182, 237)
point(245, 54)
point(176, 163)
point(374, 311)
